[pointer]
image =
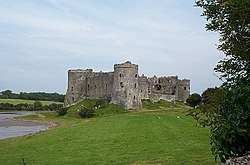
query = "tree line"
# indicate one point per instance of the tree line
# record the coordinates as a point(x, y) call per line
point(36, 106)
point(8, 94)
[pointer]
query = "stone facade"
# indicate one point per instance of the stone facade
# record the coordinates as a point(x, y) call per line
point(124, 86)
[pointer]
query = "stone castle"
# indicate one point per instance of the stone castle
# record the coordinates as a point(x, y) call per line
point(124, 86)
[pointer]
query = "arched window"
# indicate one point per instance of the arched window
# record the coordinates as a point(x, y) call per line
point(185, 88)
point(136, 75)
point(135, 85)
point(134, 97)
point(120, 75)
point(72, 88)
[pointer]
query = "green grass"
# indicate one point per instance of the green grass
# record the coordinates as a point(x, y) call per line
point(137, 137)
point(18, 101)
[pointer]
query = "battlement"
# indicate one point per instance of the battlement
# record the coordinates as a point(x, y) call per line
point(81, 70)
point(124, 86)
point(127, 64)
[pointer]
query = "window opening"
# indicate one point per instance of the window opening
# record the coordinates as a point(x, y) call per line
point(121, 84)
point(158, 87)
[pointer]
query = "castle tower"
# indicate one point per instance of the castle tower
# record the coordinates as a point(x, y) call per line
point(183, 89)
point(126, 86)
point(77, 90)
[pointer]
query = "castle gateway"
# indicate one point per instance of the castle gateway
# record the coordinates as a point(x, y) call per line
point(123, 86)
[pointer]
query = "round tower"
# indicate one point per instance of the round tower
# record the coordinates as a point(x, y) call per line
point(125, 86)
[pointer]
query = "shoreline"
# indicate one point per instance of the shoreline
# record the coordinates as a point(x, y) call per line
point(39, 122)
point(15, 126)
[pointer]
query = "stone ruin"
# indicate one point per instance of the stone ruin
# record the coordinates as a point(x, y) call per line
point(124, 86)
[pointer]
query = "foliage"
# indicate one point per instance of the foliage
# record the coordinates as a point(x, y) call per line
point(101, 103)
point(193, 100)
point(28, 105)
point(161, 104)
point(62, 111)
point(229, 115)
point(231, 19)
point(110, 109)
point(7, 94)
point(101, 107)
point(21, 101)
point(37, 105)
point(230, 131)
point(86, 112)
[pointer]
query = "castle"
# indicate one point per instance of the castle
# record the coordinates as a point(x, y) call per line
point(123, 86)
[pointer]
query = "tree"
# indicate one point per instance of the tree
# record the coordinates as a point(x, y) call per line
point(194, 99)
point(229, 119)
point(37, 105)
point(86, 112)
point(231, 19)
point(6, 94)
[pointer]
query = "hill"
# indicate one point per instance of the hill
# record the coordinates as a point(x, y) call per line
point(164, 135)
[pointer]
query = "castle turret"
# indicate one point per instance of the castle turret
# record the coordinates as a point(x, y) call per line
point(183, 89)
point(125, 86)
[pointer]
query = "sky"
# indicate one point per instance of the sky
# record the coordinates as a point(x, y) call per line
point(40, 40)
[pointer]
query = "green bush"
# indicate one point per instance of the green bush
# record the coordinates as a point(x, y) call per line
point(62, 111)
point(86, 112)
point(101, 103)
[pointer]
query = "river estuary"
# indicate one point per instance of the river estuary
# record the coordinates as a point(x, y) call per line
point(14, 128)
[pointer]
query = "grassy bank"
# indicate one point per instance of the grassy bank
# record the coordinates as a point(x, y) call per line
point(164, 135)
point(19, 101)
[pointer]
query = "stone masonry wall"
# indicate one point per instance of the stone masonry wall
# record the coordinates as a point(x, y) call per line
point(124, 86)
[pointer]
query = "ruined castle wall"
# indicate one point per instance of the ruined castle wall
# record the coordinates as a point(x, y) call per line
point(100, 86)
point(125, 86)
point(76, 85)
point(183, 89)
point(143, 87)
point(162, 88)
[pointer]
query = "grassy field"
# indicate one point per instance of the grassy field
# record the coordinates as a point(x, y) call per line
point(164, 135)
point(18, 101)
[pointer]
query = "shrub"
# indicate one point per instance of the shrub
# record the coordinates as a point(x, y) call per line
point(101, 103)
point(62, 111)
point(194, 99)
point(86, 112)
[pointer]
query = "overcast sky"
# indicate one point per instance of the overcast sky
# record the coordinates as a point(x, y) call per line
point(41, 39)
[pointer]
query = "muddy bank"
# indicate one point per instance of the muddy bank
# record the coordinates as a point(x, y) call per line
point(11, 127)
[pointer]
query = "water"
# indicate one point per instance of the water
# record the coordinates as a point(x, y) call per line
point(14, 128)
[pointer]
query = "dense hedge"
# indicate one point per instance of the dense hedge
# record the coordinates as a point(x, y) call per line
point(7, 94)
point(30, 107)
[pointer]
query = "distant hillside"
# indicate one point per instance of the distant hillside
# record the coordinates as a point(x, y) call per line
point(8, 94)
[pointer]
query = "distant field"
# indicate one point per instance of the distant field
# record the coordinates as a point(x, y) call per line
point(159, 136)
point(18, 101)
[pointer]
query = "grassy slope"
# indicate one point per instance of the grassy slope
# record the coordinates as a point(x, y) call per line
point(136, 137)
point(18, 101)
